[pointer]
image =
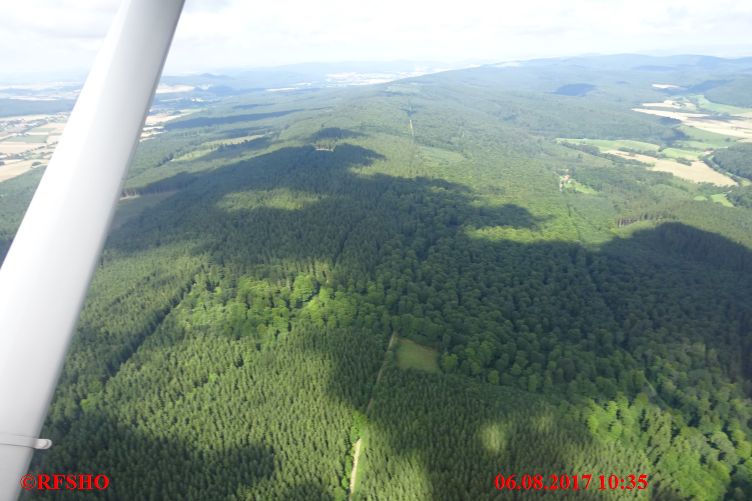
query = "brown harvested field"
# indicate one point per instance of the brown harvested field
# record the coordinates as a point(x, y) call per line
point(160, 118)
point(14, 169)
point(697, 172)
point(740, 127)
point(670, 103)
point(154, 124)
point(678, 115)
point(14, 148)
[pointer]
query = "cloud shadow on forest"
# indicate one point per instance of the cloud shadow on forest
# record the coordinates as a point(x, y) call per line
point(160, 466)
point(376, 204)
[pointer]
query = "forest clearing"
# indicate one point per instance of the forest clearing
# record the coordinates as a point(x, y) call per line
point(411, 355)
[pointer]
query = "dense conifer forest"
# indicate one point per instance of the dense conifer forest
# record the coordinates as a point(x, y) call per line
point(417, 277)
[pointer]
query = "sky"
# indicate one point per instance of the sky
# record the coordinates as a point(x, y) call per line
point(60, 37)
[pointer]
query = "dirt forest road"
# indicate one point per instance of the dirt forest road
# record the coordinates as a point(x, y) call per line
point(359, 442)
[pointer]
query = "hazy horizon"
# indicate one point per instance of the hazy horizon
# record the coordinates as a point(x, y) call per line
point(60, 37)
point(77, 76)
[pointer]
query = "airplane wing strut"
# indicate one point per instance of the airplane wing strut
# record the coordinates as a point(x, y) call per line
point(46, 273)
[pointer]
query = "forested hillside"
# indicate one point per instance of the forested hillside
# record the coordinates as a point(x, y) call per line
point(251, 332)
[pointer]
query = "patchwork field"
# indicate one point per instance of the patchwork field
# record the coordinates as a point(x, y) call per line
point(736, 125)
point(705, 127)
point(28, 142)
point(697, 172)
point(30, 139)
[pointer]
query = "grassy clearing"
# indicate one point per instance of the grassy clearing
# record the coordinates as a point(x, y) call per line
point(681, 153)
point(722, 199)
point(234, 140)
point(698, 145)
point(613, 144)
point(193, 155)
point(211, 146)
point(411, 355)
point(279, 199)
point(581, 188)
point(719, 198)
point(440, 155)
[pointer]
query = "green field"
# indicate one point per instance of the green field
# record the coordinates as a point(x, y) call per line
point(411, 355)
point(681, 153)
point(581, 188)
point(701, 139)
point(235, 140)
point(719, 198)
point(705, 104)
point(209, 147)
point(193, 154)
